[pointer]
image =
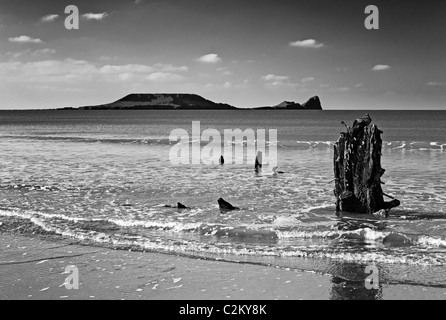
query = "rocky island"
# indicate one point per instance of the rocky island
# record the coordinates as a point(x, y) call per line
point(184, 101)
point(313, 103)
point(161, 101)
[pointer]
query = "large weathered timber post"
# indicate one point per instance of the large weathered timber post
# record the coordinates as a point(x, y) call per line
point(357, 169)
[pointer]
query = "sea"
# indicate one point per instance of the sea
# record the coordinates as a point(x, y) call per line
point(106, 178)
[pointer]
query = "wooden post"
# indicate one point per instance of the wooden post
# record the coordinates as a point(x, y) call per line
point(258, 163)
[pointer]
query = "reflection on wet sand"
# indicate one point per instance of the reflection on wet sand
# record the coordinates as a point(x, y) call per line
point(349, 283)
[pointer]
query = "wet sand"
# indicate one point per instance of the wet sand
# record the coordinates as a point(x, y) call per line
point(35, 268)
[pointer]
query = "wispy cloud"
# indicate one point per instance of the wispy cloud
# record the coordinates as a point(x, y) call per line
point(165, 77)
point(138, 2)
point(308, 79)
point(275, 81)
point(25, 39)
point(273, 77)
point(44, 52)
point(381, 67)
point(308, 43)
point(70, 71)
point(50, 17)
point(31, 53)
point(224, 71)
point(227, 85)
point(436, 84)
point(126, 69)
point(95, 16)
point(209, 58)
point(170, 68)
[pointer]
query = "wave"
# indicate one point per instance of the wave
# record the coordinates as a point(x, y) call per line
point(326, 258)
point(284, 144)
point(390, 145)
point(31, 187)
point(365, 234)
point(158, 225)
point(415, 145)
point(62, 224)
point(147, 141)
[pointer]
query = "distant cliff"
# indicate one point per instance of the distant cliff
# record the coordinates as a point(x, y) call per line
point(183, 101)
point(313, 103)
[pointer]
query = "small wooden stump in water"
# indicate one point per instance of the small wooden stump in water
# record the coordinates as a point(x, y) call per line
point(357, 169)
point(258, 163)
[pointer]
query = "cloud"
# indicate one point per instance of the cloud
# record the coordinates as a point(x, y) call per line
point(47, 71)
point(209, 58)
point(336, 89)
point(229, 85)
point(25, 39)
point(137, 2)
point(165, 77)
point(70, 71)
point(126, 69)
point(275, 81)
point(158, 72)
point(16, 55)
point(224, 71)
point(381, 67)
point(95, 16)
point(170, 68)
point(309, 43)
point(273, 77)
point(50, 17)
point(29, 52)
point(436, 84)
point(44, 52)
point(308, 79)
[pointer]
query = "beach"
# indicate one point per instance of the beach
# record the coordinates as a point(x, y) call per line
point(222, 151)
point(100, 190)
point(34, 269)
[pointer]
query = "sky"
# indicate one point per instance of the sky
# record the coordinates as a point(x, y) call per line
point(246, 53)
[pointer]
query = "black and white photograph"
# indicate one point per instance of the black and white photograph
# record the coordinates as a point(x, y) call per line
point(222, 154)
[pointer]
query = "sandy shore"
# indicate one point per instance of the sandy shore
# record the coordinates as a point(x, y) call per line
point(33, 268)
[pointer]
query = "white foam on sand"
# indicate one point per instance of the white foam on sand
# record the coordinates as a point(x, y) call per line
point(173, 226)
point(224, 248)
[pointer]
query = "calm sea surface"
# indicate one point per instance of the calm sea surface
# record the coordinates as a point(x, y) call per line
point(103, 178)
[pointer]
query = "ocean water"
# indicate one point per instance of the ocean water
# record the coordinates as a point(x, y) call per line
point(104, 178)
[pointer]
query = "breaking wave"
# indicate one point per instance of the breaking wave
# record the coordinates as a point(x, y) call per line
point(197, 238)
point(314, 144)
